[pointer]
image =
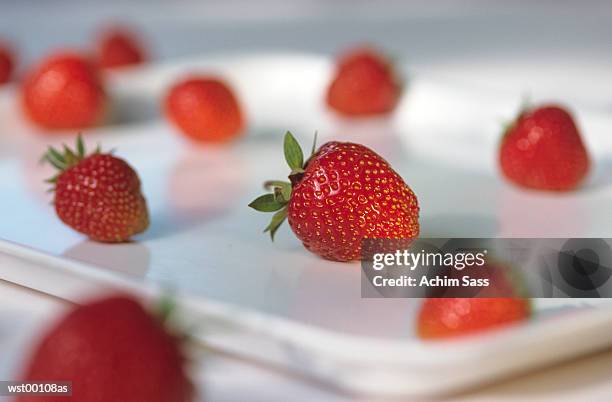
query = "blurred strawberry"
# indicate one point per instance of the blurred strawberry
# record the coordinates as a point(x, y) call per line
point(7, 63)
point(119, 47)
point(453, 317)
point(501, 301)
point(543, 150)
point(205, 109)
point(64, 92)
point(111, 350)
point(364, 84)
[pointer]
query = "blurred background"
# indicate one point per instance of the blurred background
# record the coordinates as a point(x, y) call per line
point(467, 40)
point(422, 31)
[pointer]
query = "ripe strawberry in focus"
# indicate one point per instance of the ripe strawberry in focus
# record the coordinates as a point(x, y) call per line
point(364, 84)
point(111, 350)
point(205, 109)
point(119, 47)
point(345, 192)
point(98, 195)
point(453, 317)
point(7, 63)
point(543, 150)
point(64, 92)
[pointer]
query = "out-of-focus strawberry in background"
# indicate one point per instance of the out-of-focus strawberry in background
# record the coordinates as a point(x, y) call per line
point(504, 33)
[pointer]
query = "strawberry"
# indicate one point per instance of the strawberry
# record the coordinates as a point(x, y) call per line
point(345, 192)
point(119, 47)
point(205, 109)
point(364, 84)
point(98, 194)
point(7, 63)
point(64, 92)
point(502, 302)
point(543, 150)
point(452, 317)
point(111, 350)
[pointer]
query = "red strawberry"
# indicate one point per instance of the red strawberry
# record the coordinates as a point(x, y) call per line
point(119, 47)
point(64, 92)
point(205, 109)
point(543, 150)
point(98, 195)
point(499, 303)
point(344, 193)
point(111, 350)
point(7, 63)
point(364, 84)
point(452, 317)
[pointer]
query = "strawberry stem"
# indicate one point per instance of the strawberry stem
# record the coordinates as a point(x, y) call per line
point(314, 144)
point(278, 200)
point(296, 177)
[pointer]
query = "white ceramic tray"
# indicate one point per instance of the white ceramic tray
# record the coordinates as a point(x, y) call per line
point(276, 302)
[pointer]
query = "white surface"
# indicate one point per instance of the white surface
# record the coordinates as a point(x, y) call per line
point(290, 307)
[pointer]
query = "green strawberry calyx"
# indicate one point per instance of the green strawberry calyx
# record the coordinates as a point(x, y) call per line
point(67, 157)
point(277, 200)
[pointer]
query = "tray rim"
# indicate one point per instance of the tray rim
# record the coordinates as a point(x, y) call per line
point(345, 358)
